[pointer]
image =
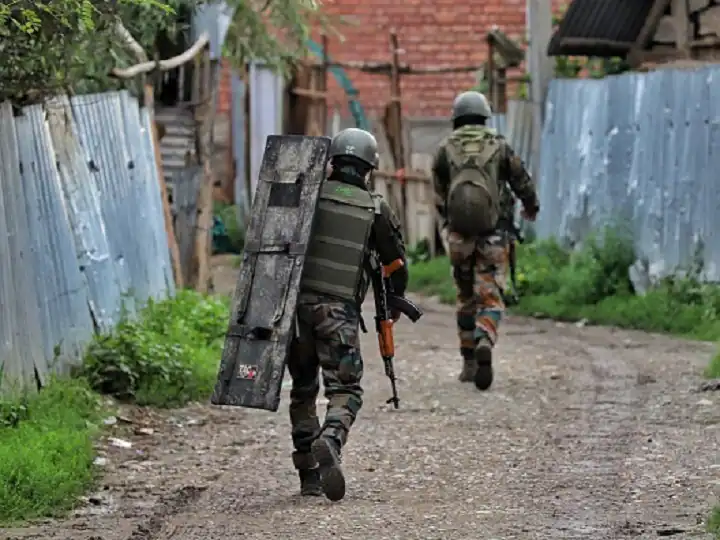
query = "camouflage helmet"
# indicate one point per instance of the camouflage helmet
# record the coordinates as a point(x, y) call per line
point(357, 143)
point(471, 104)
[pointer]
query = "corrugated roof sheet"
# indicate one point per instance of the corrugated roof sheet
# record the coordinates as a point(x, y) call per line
point(608, 20)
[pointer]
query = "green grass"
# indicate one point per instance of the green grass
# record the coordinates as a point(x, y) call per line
point(713, 524)
point(46, 450)
point(166, 357)
point(713, 369)
point(593, 284)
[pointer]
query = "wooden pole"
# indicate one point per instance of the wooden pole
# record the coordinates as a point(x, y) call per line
point(323, 102)
point(682, 26)
point(501, 88)
point(397, 116)
point(491, 70)
point(167, 214)
point(204, 121)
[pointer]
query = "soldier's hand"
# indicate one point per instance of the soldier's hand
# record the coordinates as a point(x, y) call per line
point(395, 315)
point(529, 214)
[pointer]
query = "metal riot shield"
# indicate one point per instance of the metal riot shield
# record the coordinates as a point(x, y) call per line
point(262, 320)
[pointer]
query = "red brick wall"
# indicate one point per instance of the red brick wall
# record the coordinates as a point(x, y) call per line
point(431, 32)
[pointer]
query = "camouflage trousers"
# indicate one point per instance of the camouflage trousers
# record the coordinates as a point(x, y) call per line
point(327, 340)
point(480, 269)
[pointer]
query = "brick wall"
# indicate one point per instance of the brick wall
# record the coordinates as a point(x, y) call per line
point(431, 32)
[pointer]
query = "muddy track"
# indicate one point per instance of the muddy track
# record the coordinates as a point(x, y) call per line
point(165, 509)
point(587, 433)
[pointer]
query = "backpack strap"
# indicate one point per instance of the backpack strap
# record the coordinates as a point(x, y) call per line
point(472, 153)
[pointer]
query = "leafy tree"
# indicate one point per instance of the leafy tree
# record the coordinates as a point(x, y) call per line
point(53, 46)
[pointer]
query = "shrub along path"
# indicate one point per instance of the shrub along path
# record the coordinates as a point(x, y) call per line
point(589, 432)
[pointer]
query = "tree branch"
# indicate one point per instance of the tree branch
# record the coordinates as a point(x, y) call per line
point(130, 42)
point(163, 65)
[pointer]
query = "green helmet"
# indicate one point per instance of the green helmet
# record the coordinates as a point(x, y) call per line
point(357, 143)
point(471, 104)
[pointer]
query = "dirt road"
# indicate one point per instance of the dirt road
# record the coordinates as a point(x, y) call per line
point(588, 433)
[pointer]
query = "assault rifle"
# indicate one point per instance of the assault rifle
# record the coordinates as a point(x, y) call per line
point(385, 303)
point(516, 235)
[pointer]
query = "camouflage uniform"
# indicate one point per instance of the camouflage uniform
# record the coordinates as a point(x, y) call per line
point(327, 339)
point(328, 321)
point(480, 264)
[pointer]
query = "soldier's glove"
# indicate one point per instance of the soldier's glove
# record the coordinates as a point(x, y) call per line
point(531, 213)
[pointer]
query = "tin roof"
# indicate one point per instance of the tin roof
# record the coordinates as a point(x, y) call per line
point(601, 28)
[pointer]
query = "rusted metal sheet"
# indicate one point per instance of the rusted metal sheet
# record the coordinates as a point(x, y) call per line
point(263, 313)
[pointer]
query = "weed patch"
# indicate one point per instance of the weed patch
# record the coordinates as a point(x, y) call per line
point(713, 369)
point(46, 450)
point(165, 357)
point(713, 524)
point(593, 284)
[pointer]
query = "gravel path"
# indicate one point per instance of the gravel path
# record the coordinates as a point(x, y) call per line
point(588, 433)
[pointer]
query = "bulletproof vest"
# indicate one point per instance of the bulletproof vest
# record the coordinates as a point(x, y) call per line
point(474, 194)
point(334, 264)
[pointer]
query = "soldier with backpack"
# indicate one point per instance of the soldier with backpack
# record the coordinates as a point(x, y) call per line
point(471, 171)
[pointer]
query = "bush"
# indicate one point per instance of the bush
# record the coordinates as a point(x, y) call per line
point(232, 229)
point(165, 357)
point(713, 524)
point(713, 372)
point(46, 450)
point(592, 283)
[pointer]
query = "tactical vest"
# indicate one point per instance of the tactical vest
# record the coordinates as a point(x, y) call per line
point(335, 256)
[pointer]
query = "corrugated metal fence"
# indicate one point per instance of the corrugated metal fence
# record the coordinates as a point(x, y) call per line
point(81, 228)
point(641, 150)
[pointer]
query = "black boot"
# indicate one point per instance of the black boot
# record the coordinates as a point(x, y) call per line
point(483, 357)
point(469, 365)
point(310, 482)
point(327, 453)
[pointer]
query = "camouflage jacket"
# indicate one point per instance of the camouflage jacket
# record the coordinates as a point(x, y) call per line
point(387, 240)
point(513, 178)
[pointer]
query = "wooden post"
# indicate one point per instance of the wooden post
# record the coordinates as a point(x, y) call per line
point(323, 103)
point(501, 88)
point(683, 28)
point(397, 116)
point(204, 121)
point(491, 70)
point(167, 214)
point(539, 16)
